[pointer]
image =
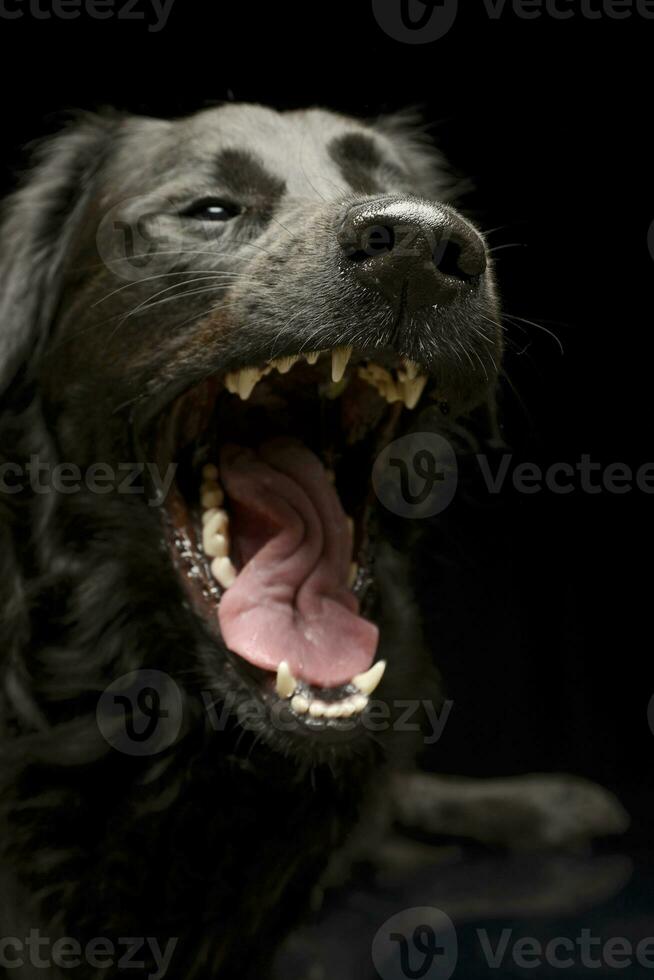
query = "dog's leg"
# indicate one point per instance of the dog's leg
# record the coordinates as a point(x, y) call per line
point(533, 811)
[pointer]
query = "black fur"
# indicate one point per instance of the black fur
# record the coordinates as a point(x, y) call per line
point(218, 840)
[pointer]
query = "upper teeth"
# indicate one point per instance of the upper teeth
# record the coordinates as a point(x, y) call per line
point(407, 388)
point(412, 369)
point(284, 364)
point(340, 357)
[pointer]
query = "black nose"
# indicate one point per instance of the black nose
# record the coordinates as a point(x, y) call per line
point(413, 252)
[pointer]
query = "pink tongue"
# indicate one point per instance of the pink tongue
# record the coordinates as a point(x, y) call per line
point(291, 541)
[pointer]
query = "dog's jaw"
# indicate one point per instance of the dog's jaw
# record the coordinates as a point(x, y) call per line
point(309, 657)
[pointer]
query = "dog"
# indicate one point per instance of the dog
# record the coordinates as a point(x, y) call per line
point(211, 328)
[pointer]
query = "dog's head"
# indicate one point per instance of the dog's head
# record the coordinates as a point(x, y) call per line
point(254, 302)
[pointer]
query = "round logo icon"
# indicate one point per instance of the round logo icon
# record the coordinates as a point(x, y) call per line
point(133, 241)
point(416, 475)
point(141, 712)
point(415, 21)
point(416, 944)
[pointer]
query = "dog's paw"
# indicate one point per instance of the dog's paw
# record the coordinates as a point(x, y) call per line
point(523, 812)
point(568, 811)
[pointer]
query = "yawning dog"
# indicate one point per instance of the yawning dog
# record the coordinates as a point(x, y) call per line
point(211, 328)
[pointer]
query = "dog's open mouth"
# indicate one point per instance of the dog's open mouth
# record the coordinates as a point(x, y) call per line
point(270, 520)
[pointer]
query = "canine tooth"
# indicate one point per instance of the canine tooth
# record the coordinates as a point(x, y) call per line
point(210, 472)
point(360, 702)
point(247, 380)
point(211, 495)
point(391, 393)
point(284, 364)
point(352, 576)
point(412, 369)
point(335, 389)
point(299, 704)
point(312, 358)
point(286, 683)
point(231, 382)
point(223, 571)
point(370, 680)
point(340, 358)
point(413, 390)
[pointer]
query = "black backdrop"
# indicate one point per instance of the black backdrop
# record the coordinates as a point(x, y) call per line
point(544, 633)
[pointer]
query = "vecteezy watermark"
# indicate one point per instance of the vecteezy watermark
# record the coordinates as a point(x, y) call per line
point(415, 21)
point(153, 12)
point(422, 942)
point(416, 943)
point(409, 715)
point(66, 953)
point(138, 239)
point(509, 950)
point(141, 713)
point(425, 21)
point(41, 477)
point(416, 476)
point(585, 476)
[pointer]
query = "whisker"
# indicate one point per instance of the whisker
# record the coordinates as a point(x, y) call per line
point(538, 326)
point(162, 275)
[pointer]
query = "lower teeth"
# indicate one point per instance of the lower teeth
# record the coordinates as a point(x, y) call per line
point(304, 703)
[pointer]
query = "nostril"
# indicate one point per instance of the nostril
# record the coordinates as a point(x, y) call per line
point(375, 240)
point(453, 259)
point(447, 256)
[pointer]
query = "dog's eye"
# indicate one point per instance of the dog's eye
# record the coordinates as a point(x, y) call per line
point(212, 209)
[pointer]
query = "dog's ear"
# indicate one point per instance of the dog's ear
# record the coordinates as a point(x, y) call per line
point(36, 231)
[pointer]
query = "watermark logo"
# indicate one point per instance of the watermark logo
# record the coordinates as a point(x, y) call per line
point(41, 477)
point(135, 238)
point(425, 21)
point(141, 712)
point(415, 21)
point(407, 715)
point(416, 944)
point(153, 12)
point(416, 476)
point(144, 954)
point(422, 943)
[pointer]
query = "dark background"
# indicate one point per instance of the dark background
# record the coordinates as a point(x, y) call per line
point(543, 625)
